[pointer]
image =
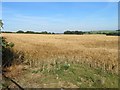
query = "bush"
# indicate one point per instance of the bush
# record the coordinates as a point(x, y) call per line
point(7, 54)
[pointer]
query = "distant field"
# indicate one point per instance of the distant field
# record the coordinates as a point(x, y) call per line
point(72, 59)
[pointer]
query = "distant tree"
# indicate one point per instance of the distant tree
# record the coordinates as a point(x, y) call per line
point(20, 31)
point(49, 33)
point(44, 32)
point(67, 32)
point(30, 32)
point(73, 32)
point(114, 33)
point(118, 30)
point(88, 32)
point(6, 32)
point(53, 33)
point(76, 32)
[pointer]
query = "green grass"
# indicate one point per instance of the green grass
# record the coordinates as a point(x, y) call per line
point(67, 74)
point(81, 75)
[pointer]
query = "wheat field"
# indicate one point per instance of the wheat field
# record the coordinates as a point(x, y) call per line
point(97, 51)
point(69, 61)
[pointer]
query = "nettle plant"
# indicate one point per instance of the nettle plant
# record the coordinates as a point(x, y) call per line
point(6, 44)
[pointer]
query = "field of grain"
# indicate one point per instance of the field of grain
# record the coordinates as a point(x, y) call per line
point(46, 51)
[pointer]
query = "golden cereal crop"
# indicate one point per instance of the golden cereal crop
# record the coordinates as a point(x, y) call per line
point(96, 50)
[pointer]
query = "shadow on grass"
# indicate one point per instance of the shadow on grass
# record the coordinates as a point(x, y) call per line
point(9, 57)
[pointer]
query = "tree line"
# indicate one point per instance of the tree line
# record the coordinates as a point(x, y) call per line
point(32, 32)
point(29, 32)
point(114, 33)
point(45, 32)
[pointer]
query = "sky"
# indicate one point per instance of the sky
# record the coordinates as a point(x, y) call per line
point(60, 0)
point(59, 16)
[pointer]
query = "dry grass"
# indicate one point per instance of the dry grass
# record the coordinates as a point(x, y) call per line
point(95, 50)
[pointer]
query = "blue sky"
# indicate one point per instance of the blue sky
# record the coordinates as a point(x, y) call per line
point(60, 16)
